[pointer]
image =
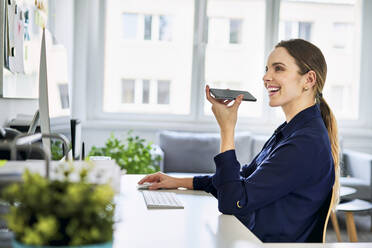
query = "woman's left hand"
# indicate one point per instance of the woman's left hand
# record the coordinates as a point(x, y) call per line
point(226, 116)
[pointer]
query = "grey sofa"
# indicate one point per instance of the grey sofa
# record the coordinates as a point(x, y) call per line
point(192, 152)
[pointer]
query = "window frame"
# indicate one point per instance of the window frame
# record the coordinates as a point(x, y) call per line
point(88, 102)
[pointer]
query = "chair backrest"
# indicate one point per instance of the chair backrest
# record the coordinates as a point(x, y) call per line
point(318, 233)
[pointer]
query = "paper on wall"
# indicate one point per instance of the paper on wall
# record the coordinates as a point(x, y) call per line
point(16, 37)
point(19, 37)
point(12, 19)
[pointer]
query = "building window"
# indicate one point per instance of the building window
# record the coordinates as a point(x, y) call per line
point(295, 29)
point(127, 90)
point(145, 91)
point(165, 28)
point(163, 91)
point(236, 31)
point(148, 24)
point(138, 26)
point(304, 30)
point(130, 26)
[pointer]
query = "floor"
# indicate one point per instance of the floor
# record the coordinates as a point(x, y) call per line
point(363, 226)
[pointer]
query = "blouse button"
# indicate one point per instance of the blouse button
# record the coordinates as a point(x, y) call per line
point(238, 204)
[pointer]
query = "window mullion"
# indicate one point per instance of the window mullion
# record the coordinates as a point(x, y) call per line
point(365, 62)
point(198, 59)
point(271, 38)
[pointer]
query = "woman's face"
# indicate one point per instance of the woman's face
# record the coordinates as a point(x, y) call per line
point(282, 80)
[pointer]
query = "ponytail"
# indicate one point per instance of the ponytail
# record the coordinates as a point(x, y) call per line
point(331, 125)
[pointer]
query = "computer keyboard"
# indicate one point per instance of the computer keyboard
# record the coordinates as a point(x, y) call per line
point(161, 200)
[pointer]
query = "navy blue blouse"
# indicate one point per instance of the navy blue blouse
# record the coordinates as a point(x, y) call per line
point(277, 196)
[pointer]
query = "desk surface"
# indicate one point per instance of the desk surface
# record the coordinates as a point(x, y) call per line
point(199, 224)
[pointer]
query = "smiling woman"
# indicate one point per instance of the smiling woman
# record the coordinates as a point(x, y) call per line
point(297, 168)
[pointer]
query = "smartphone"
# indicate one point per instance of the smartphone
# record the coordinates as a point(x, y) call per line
point(232, 94)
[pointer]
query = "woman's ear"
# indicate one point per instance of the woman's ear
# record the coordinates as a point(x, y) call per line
point(310, 79)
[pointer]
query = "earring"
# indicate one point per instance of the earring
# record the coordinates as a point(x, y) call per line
point(306, 88)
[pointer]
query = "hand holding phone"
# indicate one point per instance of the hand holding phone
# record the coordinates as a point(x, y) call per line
point(232, 94)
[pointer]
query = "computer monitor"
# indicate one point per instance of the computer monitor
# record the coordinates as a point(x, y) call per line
point(54, 103)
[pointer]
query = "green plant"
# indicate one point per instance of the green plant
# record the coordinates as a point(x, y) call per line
point(56, 149)
point(60, 212)
point(135, 156)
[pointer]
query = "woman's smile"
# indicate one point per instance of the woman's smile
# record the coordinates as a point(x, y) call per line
point(272, 90)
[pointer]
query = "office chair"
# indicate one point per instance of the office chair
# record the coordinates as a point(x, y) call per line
point(318, 233)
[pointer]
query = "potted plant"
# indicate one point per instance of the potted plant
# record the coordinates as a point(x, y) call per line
point(56, 150)
point(135, 156)
point(60, 212)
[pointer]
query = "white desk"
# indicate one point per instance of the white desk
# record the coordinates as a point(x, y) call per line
point(199, 224)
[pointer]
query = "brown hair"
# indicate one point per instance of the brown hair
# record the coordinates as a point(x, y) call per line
point(309, 57)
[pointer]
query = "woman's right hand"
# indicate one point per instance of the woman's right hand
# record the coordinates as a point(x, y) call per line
point(161, 180)
point(225, 114)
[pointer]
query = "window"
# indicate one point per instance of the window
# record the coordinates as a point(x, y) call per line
point(163, 91)
point(165, 53)
point(148, 23)
point(130, 26)
point(140, 26)
point(165, 28)
point(146, 91)
point(331, 25)
point(235, 31)
point(155, 51)
point(294, 29)
point(128, 91)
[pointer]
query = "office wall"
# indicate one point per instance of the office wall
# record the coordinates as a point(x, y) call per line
point(60, 22)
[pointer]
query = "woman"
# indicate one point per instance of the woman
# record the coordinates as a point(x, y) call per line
point(289, 180)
